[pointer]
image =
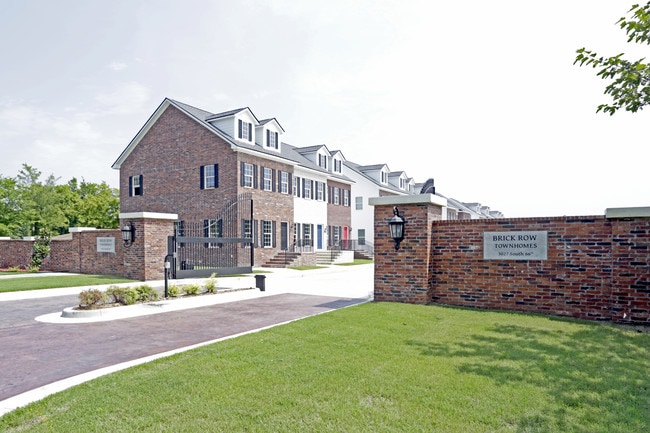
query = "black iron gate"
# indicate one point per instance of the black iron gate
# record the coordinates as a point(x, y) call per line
point(221, 245)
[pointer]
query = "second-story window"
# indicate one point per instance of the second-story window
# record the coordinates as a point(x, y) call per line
point(306, 189)
point(284, 182)
point(248, 175)
point(267, 179)
point(135, 185)
point(337, 198)
point(346, 197)
point(209, 176)
point(358, 203)
point(320, 187)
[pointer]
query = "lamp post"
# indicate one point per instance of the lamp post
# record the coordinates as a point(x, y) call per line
point(396, 226)
point(128, 233)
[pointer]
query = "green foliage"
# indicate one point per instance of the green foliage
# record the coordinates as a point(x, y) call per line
point(123, 295)
point(40, 250)
point(173, 290)
point(146, 293)
point(191, 289)
point(29, 205)
point(211, 284)
point(630, 85)
point(92, 297)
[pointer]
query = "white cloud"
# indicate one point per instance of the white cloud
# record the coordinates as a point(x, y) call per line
point(117, 66)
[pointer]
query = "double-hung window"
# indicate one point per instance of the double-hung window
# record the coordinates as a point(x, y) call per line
point(209, 176)
point(271, 139)
point(248, 175)
point(284, 182)
point(306, 193)
point(267, 234)
point(245, 130)
point(337, 199)
point(267, 179)
point(135, 185)
point(346, 197)
point(320, 187)
point(358, 203)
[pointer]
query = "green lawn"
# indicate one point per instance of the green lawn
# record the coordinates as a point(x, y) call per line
point(357, 262)
point(377, 367)
point(35, 283)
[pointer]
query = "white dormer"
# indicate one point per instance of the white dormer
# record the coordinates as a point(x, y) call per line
point(240, 124)
point(268, 133)
point(398, 179)
point(337, 161)
point(377, 172)
point(319, 155)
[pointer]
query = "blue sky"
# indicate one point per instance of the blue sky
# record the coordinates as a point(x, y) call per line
point(482, 96)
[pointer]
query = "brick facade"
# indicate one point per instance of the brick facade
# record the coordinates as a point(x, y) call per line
point(597, 268)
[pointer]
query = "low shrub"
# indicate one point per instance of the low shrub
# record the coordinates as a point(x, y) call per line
point(146, 293)
point(191, 289)
point(173, 290)
point(123, 295)
point(92, 297)
point(211, 284)
point(14, 269)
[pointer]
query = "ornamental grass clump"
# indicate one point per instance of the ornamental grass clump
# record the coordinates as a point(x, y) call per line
point(92, 298)
point(211, 284)
point(191, 289)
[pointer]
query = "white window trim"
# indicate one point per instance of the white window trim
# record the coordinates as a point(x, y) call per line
point(248, 175)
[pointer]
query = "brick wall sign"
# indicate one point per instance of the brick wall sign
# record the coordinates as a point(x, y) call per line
point(105, 245)
point(524, 245)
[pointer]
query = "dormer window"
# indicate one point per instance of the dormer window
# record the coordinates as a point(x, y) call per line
point(271, 139)
point(401, 183)
point(322, 161)
point(384, 177)
point(245, 130)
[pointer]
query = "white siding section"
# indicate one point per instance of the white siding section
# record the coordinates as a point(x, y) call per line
point(308, 211)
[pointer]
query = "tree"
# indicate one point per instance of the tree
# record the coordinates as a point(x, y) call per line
point(630, 86)
point(31, 207)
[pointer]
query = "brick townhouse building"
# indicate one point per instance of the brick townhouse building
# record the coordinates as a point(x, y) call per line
point(196, 164)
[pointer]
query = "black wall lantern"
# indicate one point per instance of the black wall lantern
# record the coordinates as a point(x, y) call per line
point(396, 225)
point(128, 233)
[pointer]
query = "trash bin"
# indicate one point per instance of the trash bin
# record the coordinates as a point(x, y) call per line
point(260, 283)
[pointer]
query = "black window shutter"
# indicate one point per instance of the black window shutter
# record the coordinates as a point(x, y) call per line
point(268, 138)
point(206, 231)
point(130, 186)
point(261, 177)
point(303, 187)
point(241, 176)
point(250, 132)
point(202, 174)
point(254, 176)
point(273, 188)
point(276, 140)
point(290, 186)
point(220, 230)
point(141, 185)
point(298, 184)
point(255, 233)
point(216, 175)
point(239, 122)
point(311, 189)
point(273, 229)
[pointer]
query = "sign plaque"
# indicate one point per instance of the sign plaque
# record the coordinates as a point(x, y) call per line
point(105, 245)
point(515, 245)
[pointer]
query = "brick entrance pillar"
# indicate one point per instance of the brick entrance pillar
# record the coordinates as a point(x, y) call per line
point(405, 275)
point(144, 258)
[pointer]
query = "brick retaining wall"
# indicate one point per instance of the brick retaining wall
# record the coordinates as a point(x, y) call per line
point(597, 268)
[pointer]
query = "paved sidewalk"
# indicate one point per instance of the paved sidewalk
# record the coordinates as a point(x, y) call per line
point(43, 357)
